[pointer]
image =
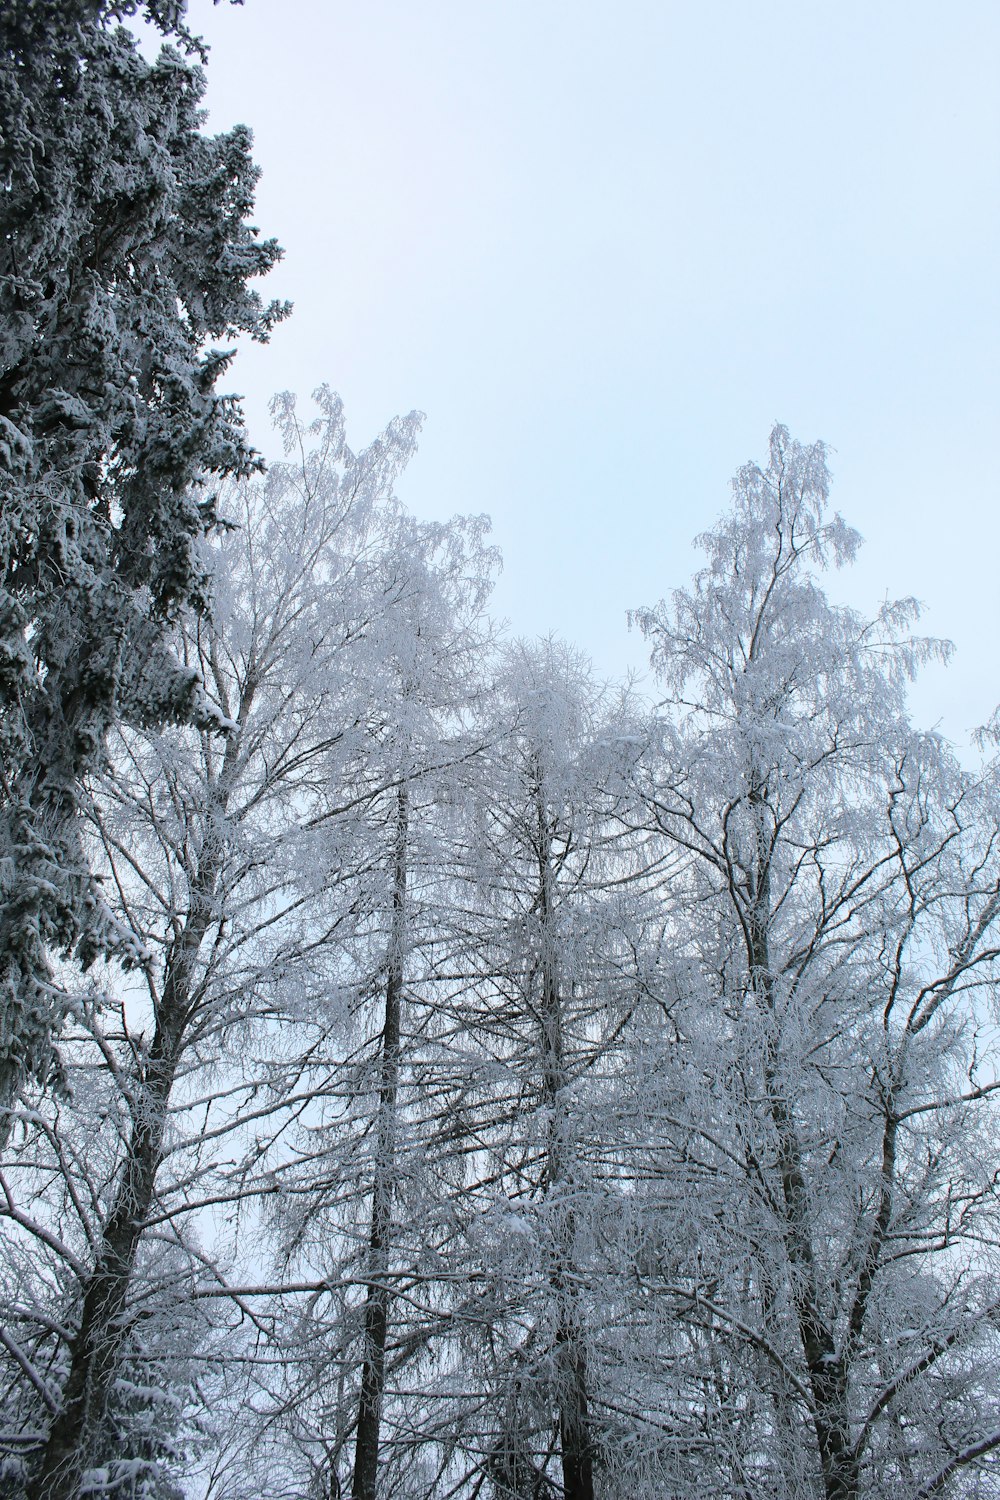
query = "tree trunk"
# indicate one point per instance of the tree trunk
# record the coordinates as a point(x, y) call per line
point(827, 1370)
point(571, 1357)
point(376, 1319)
point(574, 1419)
point(74, 1440)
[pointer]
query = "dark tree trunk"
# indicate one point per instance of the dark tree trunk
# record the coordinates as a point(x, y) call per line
point(827, 1369)
point(574, 1419)
point(76, 1437)
point(376, 1318)
point(571, 1357)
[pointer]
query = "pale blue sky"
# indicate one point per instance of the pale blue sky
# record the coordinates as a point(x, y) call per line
point(604, 247)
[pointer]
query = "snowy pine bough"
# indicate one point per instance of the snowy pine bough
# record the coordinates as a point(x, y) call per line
point(126, 255)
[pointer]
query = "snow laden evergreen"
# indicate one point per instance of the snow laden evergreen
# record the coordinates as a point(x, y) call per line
point(126, 253)
point(520, 1092)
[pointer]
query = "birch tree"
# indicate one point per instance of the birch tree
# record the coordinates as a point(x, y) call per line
point(842, 896)
point(203, 837)
point(362, 1207)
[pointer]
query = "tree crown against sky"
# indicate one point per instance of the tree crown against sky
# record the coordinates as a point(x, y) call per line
point(841, 935)
point(575, 265)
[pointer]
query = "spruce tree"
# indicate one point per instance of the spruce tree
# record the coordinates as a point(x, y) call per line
point(125, 253)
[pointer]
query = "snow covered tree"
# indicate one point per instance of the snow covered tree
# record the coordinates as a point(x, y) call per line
point(517, 1094)
point(211, 868)
point(441, 579)
point(837, 964)
point(125, 253)
point(552, 941)
point(364, 1183)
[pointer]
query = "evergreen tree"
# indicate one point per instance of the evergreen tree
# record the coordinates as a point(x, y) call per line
point(125, 251)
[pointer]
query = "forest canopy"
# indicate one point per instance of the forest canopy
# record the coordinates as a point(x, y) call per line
point(429, 1072)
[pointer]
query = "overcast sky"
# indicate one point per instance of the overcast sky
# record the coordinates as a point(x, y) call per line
point(604, 247)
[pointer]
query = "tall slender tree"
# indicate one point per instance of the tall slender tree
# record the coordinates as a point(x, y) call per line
point(553, 936)
point(361, 1180)
point(201, 836)
point(843, 896)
